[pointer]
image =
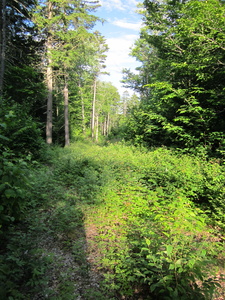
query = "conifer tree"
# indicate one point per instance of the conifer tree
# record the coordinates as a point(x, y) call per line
point(65, 26)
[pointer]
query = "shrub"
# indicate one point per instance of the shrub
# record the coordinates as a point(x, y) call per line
point(154, 236)
point(19, 132)
point(23, 267)
point(13, 188)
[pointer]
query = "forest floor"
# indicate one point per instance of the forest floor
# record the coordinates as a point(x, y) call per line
point(71, 275)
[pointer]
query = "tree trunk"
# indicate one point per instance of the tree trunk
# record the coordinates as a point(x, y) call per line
point(96, 131)
point(108, 125)
point(82, 109)
point(49, 79)
point(104, 127)
point(66, 114)
point(93, 109)
point(49, 105)
point(124, 108)
point(2, 43)
point(83, 115)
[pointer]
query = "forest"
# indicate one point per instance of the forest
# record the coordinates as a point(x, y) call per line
point(107, 196)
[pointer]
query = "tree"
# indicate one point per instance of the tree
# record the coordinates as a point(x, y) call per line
point(107, 111)
point(125, 100)
point(21, 81)
point(185, 104)
point(16, 33)
point(97, 65)
point(3, 42)
point(65, 25)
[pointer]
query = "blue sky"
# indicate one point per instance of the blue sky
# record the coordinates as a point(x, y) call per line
point(120, 29)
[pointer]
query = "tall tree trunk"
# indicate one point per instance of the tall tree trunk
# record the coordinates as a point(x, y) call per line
point(104, 127)
point(96, 131)
point(82, 109)
point(66, 114)
point(83, 115)
point(108, 125)
point(124, 108)
point(2, 43)
point(93, 109)
point(49, 105)
point(49, 79)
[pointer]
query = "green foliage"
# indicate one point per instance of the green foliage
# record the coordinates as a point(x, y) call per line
point(19, 140)
point(23, 267)
point(76, 54)
point(21, 132)
point(155, 219)
point(25, 86)
point(13, 188)
point(66, 218)
point(169, 249)
point(82, 174)
point(152, 236)
point(49, 212)
point(182, 73)
point(108, 99)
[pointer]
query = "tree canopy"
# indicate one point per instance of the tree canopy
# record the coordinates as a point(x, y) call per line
point(181, 79)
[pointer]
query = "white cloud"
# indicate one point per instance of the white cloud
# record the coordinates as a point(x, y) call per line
point(118, 4)
point(119, 13)
point(113, 4)
point(127, 25)
point(118, 54)
point(118, 58)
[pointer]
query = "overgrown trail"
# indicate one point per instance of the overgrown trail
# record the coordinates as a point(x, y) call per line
point(116, 222)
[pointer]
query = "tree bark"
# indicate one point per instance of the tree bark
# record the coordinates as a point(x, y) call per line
point(66, 114)
point(96, 131)
point(49, 78)
point(49, 105)
point(82, 109)
point(93, 109)
point(104, 127)
point(2, 43)
point(108, 125)
point(83, 115)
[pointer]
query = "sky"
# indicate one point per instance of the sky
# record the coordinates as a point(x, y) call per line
point(120, 29)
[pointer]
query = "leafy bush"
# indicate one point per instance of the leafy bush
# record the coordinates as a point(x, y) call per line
point(22, 266)
point(169, 249)
point(153, 234)
point(66, 218)
point(84, 175)
point(18, 131)
point(13, 188)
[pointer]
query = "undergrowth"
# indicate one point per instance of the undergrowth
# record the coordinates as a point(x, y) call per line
point(158, 219)
point(160, 223)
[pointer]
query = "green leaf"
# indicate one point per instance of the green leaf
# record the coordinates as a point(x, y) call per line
point(2, 187)
point(169, 249)
point(4, 138)
point(9, 193)
point(203, 253)
point(148, 242)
